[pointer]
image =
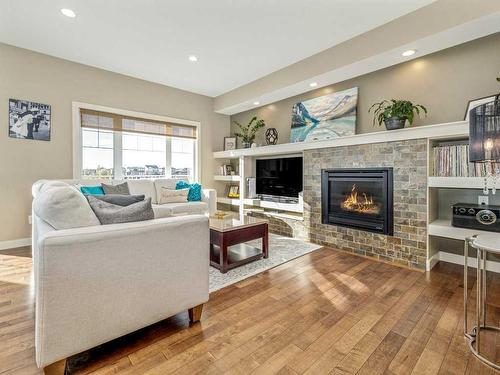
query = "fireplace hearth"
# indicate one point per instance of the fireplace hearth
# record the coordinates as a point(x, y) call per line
point(358, 198)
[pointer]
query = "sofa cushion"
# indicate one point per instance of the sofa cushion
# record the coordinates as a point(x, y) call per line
point(145, 187)
point(194, 190)
point(168, 183)
point(116, 189)
point(173, 196)
point(109, 213)
point(119, 199)
point(177, 209)
point(63, 206)
point(162, 210)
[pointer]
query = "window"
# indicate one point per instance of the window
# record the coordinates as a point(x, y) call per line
point(97, 148)
point(122, 147)
point(182, 157)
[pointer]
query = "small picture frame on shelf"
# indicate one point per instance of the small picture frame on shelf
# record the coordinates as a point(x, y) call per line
point(233, 191)
point(226, 170)
point(229, 143)
point(477, 102)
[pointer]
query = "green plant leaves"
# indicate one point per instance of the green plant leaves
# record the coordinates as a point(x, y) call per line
point(247, 132)
point(395, 108)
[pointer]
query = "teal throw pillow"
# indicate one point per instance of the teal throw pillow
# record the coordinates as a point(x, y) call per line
point(92, 190)
point(194, 194)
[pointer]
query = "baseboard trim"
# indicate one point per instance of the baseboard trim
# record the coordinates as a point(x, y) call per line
point(12, 244)
point(430, 263)
point(459, 259)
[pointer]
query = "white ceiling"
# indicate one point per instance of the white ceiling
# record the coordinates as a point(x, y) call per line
point(236, 41)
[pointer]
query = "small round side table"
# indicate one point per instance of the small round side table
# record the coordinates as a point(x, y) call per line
point(484, 244)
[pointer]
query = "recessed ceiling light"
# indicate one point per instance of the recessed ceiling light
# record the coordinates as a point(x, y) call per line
point(68, 13)
point(313, 84)
point(256, 103)
point(192, 58)
point(409, 52)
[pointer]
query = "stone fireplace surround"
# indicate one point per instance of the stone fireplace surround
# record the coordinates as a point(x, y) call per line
point(409, 161)
point(408, 245)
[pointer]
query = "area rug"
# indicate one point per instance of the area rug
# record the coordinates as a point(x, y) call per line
point(281, 250)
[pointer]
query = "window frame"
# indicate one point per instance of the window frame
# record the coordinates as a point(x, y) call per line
point(78, 135)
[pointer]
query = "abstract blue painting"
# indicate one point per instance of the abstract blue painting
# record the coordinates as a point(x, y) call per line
point(327, 117)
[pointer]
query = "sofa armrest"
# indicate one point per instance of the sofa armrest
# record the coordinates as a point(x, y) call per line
point(210, 197)
point(95, 284)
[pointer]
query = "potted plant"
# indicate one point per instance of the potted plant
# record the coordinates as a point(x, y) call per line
point(247, 132)
point(394, 113)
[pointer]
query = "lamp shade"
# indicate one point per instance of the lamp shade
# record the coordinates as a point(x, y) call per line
point(484, 129)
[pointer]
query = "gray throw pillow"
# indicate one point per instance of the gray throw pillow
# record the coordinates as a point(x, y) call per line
point(120, 200)
point(116, 189)
point(109, 213)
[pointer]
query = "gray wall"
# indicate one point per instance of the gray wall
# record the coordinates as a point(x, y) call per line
point(41, 78)
point(444, 82)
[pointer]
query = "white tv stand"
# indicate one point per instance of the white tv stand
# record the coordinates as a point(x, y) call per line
point(247, 169)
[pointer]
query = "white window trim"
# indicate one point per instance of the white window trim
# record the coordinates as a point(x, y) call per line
point(77, 133)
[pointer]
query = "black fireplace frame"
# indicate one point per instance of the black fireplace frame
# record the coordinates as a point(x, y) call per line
point(386, 174)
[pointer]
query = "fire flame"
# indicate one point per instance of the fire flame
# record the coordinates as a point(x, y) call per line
point(353, 202)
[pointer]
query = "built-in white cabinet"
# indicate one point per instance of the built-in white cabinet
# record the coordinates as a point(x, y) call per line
point(441, 191)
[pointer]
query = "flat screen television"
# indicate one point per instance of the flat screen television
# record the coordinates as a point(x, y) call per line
point(281, 177)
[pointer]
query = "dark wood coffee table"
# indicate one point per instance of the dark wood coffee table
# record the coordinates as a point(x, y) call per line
point(227, 237)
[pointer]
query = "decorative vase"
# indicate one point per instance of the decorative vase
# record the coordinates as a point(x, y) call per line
point(271, 136)
point(247, 144)
point(393, 123)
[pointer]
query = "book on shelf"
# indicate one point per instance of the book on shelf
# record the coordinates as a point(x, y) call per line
point(226, 170)
point(452, 160)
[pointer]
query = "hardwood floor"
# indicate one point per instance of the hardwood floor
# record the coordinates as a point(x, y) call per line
point(327, 312)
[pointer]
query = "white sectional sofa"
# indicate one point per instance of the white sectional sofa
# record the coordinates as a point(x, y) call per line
point(151, 189)
point(96, 283)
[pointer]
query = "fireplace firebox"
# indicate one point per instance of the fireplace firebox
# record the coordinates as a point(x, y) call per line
point(358, 198)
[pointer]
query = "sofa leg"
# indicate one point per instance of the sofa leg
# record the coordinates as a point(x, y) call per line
point(195, 313)
point(56, 368)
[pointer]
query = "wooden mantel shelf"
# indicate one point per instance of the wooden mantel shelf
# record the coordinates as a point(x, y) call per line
point(450, 129)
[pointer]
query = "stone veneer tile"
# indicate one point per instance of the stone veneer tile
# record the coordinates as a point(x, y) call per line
point(409, 161)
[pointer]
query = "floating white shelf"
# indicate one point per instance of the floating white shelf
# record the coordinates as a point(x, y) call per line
point(456, 182)
point(279, 215)
point(290, 207)
point(443, 228)
point(236, 201)
point(252, 201)
point(231, 201)
point(298, 208)
point(226, 178)
point(451, 129)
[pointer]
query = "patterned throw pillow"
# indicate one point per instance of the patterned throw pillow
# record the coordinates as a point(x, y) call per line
point(121, 189)
point(194, 190)
point(109, 213)
point(173, 196)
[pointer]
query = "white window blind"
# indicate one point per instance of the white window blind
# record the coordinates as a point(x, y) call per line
point(105, 120)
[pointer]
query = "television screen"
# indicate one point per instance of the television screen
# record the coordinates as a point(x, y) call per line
point(280, 177)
